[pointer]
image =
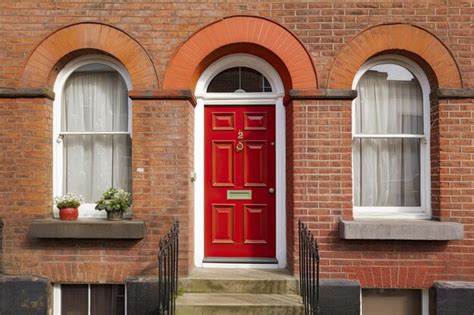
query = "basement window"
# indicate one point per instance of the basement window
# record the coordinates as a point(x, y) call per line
point(89, 299)
point(394, 301)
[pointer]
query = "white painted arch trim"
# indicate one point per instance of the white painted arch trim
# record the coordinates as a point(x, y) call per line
point(424, 211)
point(85, 210)
point(276, 98)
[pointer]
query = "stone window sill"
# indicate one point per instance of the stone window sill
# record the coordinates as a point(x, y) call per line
point(87, 229)
point(413, 230)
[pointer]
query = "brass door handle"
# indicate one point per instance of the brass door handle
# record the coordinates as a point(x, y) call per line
point(271, 190)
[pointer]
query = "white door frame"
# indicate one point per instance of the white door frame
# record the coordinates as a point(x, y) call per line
point(273, 98)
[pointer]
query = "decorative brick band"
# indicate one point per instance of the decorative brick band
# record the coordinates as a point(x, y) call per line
point(163, 95)
point(323, 94)
point(455, 93)
point(26, 93)
point(390, 37)
point(96, 36)
point(194, 55)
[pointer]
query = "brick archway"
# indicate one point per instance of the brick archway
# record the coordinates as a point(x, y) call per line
point(399, 37)
point(257, 35)
point(90, 36)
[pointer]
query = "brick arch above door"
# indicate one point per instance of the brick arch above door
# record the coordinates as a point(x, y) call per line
point(89, 36)
point(250, 33)
point(402, 38)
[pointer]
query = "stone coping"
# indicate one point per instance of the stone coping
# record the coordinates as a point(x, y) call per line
point(455, 93)
point(415, 230)
point(26, 93)
point(87, 229)
point(322, 94)
point(168, 94)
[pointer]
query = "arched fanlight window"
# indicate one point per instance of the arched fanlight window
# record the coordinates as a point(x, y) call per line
point(391, 140)
point(239, 80)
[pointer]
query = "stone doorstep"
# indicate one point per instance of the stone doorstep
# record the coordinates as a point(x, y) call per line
point(254, 281)
point(239, 291)
point(239, 303)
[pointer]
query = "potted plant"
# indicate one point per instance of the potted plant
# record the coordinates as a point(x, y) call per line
point(115, 202)
point(68, 205)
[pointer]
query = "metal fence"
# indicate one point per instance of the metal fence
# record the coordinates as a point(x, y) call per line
point(168, 271)
point(309, 269)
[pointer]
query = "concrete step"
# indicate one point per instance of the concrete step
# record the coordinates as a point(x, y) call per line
point(238, 303)
point(254, 281)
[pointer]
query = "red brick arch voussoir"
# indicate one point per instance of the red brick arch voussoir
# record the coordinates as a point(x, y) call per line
point(90, 36)
point(188, 61)
point(399, 37)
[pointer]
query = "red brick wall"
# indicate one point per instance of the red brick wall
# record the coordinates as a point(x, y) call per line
point(162, 146)
point(323, 27)
point(25, 178)
point(320, 153)
point(322, 187)
point(322, 195)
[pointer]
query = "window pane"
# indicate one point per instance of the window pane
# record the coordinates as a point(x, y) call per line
point(387, 172)
point(95, 101)
point(252, 81)
point(107, 299)
point(389, 101)
point(74, 299)
point(225, 82)
point(93, 163)
point(239, 79)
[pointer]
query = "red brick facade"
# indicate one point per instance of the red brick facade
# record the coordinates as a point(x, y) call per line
point(165, 47)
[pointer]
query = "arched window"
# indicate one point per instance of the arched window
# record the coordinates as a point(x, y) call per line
point(239, 80)
point(391, 140)
point(93, 140)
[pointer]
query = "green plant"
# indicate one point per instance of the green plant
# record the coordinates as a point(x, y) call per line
point(114, 200)
point(69, 200)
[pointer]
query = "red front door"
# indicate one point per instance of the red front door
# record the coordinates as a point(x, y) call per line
point(239, 181)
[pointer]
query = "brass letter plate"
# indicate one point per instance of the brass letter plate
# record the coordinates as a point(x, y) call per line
point(239, 195)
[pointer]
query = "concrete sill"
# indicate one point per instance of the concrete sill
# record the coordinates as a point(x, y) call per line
point(87, 229)
point(413, 230)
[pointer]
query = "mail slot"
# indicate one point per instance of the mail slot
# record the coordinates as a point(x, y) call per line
point(239, 195)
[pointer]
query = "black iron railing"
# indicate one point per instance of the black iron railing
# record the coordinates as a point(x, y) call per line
point(309, 270)
point(168, 271)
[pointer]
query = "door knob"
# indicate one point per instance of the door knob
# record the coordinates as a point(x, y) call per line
point(271, 190)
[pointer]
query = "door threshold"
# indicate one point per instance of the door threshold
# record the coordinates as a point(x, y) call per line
point(240, 262)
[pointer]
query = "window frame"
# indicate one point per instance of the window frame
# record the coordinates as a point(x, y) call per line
point(86, 210)
point(57, 295)
point(389, 212)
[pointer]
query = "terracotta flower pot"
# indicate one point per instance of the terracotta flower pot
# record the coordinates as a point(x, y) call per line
point(68, 214)
point(114, 215)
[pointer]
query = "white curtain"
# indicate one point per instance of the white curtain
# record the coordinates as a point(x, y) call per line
point(387, 171)
point(95, 101)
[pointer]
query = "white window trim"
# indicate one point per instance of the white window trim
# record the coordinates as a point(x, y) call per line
point(85, 210)
point(264, 98)
point(424, 211)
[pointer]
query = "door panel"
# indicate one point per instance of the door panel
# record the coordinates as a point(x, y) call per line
point(255, 121)
point(255, 163)
point(239, 181)
point(255, 224)
point(222, 224)
point(223, 121)
point(223, 163)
